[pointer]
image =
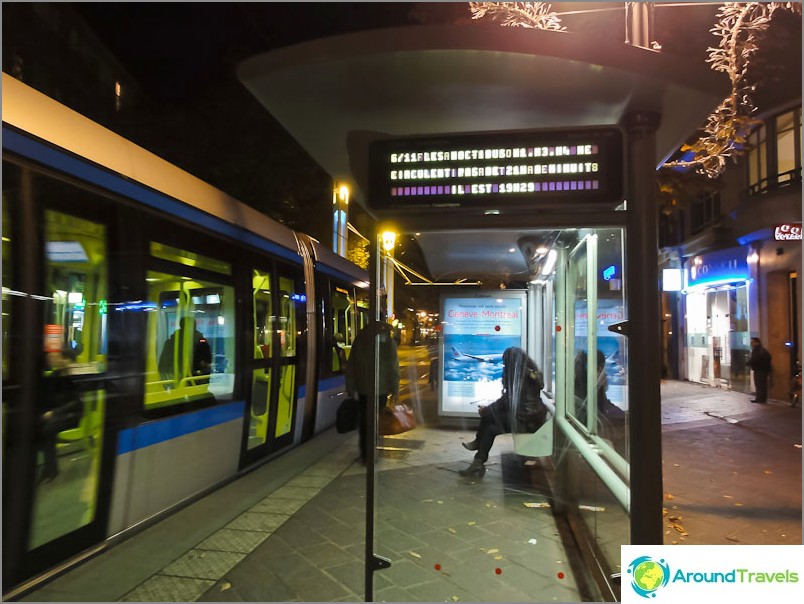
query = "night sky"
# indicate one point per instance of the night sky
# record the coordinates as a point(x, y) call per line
point(171, 48)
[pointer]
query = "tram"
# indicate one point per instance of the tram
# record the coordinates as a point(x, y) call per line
point(198, 336)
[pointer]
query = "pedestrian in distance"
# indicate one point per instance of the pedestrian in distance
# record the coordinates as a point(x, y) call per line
point(372, 374)
point(760, 363)
point(522, 382)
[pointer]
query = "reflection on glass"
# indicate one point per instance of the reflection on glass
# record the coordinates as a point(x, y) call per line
point(287, 316)
point(260, 407)
point(263, 313)
point(69, 437)
point(287, 400)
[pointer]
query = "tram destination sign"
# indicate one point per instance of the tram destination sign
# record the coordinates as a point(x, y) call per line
point(497, 170)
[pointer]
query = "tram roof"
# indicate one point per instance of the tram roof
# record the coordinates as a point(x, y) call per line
point(336, 94)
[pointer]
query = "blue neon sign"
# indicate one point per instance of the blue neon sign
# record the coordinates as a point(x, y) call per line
point(723, 266)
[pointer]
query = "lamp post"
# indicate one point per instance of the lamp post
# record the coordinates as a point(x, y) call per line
point(340, 217)
point(388, 244)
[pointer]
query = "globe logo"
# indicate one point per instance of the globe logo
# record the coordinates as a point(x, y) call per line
point(648, 575)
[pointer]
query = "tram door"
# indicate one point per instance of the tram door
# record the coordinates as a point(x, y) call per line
point(55, 338)
point(499, 534)
point(274, 360)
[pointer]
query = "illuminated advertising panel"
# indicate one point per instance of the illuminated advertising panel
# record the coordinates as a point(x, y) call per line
point(476, 332)
point(717, 268)
point(485, 170)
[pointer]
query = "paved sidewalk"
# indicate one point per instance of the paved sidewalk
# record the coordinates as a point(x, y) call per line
point(732, 468)
point(293, 529)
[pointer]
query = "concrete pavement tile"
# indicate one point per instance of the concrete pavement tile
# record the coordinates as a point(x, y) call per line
point(162, 588)
point(299, 534)
point(275, 505)
point(404, 572)
point(326, 555)
point(314, 586)
point(351, 576)
point(310, 481)
point(254, 521)
point(203, 564)
point(229, 540)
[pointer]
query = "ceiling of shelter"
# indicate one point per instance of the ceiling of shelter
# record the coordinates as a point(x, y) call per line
point(335, 94)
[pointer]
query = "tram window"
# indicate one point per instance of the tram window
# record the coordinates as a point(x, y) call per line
point(286, 325)
point(190, 340)
point(263, 313)
point(166, 252)
point(342, 311)
point(291, 304)
point(76, 279)
point(361, 314)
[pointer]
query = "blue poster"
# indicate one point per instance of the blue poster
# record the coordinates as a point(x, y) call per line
point(476, 332)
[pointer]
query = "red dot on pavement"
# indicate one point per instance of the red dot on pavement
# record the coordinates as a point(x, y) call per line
point(498, 571)
point(438, 567)
point(560, 575)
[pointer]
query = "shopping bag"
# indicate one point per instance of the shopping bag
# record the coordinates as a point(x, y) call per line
point(395, 418)
point(347, 415)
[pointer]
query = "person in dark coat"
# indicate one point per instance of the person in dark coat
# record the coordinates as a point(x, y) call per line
point(368, 383)
point(522, 383)
point(61, 409)
point(171, 364)
point(760, 363)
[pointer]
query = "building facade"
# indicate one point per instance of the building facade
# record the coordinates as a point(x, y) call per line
point(736, 262)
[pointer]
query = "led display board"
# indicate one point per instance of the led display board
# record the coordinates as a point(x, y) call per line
point(520, 169)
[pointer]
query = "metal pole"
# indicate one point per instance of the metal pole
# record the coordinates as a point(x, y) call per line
point(375, 268)
point(644, 317)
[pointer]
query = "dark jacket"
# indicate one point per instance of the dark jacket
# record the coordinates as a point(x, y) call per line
point(360, 369)
point(62, 408)
point(521, 396)
point(202, 355)
point(760, 359)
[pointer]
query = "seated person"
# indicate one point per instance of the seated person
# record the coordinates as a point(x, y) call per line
point(522, 383)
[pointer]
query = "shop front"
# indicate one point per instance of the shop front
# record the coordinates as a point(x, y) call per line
point(716, 301)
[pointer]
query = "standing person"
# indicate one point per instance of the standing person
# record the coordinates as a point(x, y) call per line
point(374, 341)
point(760, 363)
point(522, 383)
point(171, 364)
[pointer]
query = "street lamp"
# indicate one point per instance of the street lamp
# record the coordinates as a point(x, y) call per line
point(340, 208)
point(388, 241)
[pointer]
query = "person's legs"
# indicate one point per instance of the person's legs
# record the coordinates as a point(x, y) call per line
point(486, 433)
point(50, 466)
point(761, 379)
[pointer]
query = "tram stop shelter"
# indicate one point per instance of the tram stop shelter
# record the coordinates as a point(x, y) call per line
point(337, 96)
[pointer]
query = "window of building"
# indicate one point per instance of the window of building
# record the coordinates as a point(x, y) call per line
point(757, 160)
point(788, 146)
point(704, 211)
point(774, 156)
